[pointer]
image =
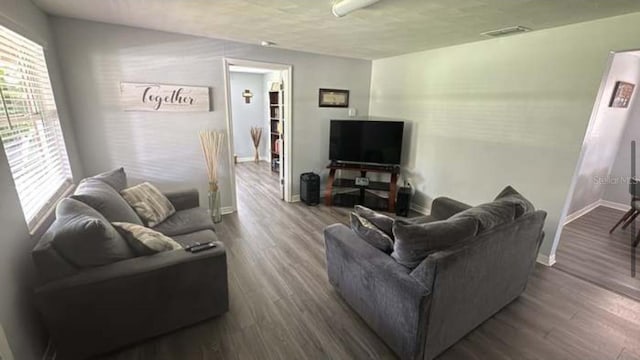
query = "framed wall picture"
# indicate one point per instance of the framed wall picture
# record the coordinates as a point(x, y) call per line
point(622, 93)
point(333, 98)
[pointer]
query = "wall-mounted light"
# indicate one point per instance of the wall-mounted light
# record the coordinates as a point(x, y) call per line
point(346, 6)
point(247, 96)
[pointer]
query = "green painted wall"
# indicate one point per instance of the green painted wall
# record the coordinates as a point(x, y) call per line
point(512, 110)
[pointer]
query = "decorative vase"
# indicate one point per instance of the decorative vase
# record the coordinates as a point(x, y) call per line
point(214, 203)
point(256, 156)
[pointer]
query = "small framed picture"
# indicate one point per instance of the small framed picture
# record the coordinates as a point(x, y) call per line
point(621, 94)
point(333, 98)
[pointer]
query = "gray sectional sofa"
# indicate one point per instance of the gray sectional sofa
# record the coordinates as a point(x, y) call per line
point(96, 295)
point(421, 311)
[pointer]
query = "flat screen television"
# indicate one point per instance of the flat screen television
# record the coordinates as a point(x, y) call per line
point(363, 141)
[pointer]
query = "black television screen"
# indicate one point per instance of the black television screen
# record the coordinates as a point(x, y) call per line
point(376, 142)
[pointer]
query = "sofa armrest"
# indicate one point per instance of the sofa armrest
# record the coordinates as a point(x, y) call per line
point(379, 289)
point(444, 207)
point(104, 308)
point(185, 199)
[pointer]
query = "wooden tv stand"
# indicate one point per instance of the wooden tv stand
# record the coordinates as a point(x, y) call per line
point(390, 187)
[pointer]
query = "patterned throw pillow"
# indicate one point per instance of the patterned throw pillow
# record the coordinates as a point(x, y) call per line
point(381, 221)
point(145, 241)
point(370, 233)
point(149, 203)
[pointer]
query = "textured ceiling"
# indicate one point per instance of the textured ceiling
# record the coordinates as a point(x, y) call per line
point(390, 27)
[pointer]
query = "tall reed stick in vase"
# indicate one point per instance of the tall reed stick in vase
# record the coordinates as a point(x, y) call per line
point(256, 135)
point(212, 142)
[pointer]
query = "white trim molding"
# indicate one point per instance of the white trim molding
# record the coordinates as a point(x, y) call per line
point(227, 210)
point(295, 198)
point(547, 260)
point(615, 205)
point(585, 210)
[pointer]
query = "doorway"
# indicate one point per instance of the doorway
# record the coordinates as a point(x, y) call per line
point(258, 100)
point(596, 240)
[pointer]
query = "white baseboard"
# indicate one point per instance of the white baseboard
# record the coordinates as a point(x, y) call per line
point(576, 214)
point(546, 260)
point(610, 204)
point(227, 210)
point(295, 198)
point(250, 159)
point(615, 205)
point(420, 209)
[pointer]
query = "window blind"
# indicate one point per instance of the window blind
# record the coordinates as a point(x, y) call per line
point(29, 127)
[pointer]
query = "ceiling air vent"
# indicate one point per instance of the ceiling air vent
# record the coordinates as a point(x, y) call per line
point(512, 30)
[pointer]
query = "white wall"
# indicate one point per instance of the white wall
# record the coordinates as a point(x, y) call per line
point(511, 110)
point(163, 147)
point(604, 136)
point(25, 333)
point(246, 116)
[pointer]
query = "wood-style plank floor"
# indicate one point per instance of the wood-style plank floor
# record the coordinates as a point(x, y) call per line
point(283, 307)
point(588, 251)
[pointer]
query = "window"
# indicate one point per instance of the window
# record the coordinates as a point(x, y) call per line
point(29, 128)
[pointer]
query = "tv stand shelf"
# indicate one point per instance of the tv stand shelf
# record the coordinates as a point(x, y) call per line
point(362, 194)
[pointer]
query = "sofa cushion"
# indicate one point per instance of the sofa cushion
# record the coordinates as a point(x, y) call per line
point(202, 236)
point(149, 203)
point(186, 221)
point(522, 205)
point(425, 219)
point(381, 221)
point(145, 241)
point(83, 237)
point(490, 215)
point(106, 201)
point(117, 179)
point(370, 233)
point(413, 243)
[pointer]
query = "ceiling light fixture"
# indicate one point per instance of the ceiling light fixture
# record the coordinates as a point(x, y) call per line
point(344, 7)
point(267, 43)
point(506, 31)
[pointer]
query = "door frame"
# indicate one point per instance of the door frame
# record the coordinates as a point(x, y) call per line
point(600, 97)
point(288, 96)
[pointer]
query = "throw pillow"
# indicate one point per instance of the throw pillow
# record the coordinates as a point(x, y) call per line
point(117, 179)
point(381, 221)
point(149, 203)
point(83, 237)
point(522, 205)
point(489, 215)
point(370, 233)
point(145, 241)
point(105, 200)
point(413, 243)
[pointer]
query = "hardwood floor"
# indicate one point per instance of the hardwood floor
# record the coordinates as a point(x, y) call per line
point(588, 251)
point(283, 307)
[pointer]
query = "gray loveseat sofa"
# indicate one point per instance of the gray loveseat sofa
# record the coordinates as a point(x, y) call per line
point(97, 297)
point(421, 312)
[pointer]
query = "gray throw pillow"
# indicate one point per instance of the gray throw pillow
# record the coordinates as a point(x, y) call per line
point(489, 215)
point(381, 221)
point(117, 179)
point(149, 203)
point(106, 201)
point(84, 238)
point(370, 233)
point(414, 242)
point(523, 206)
point(145, 241)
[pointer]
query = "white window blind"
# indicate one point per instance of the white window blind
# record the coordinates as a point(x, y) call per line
point(29, 127)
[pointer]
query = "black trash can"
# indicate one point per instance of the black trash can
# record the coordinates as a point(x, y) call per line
point(310, 188)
